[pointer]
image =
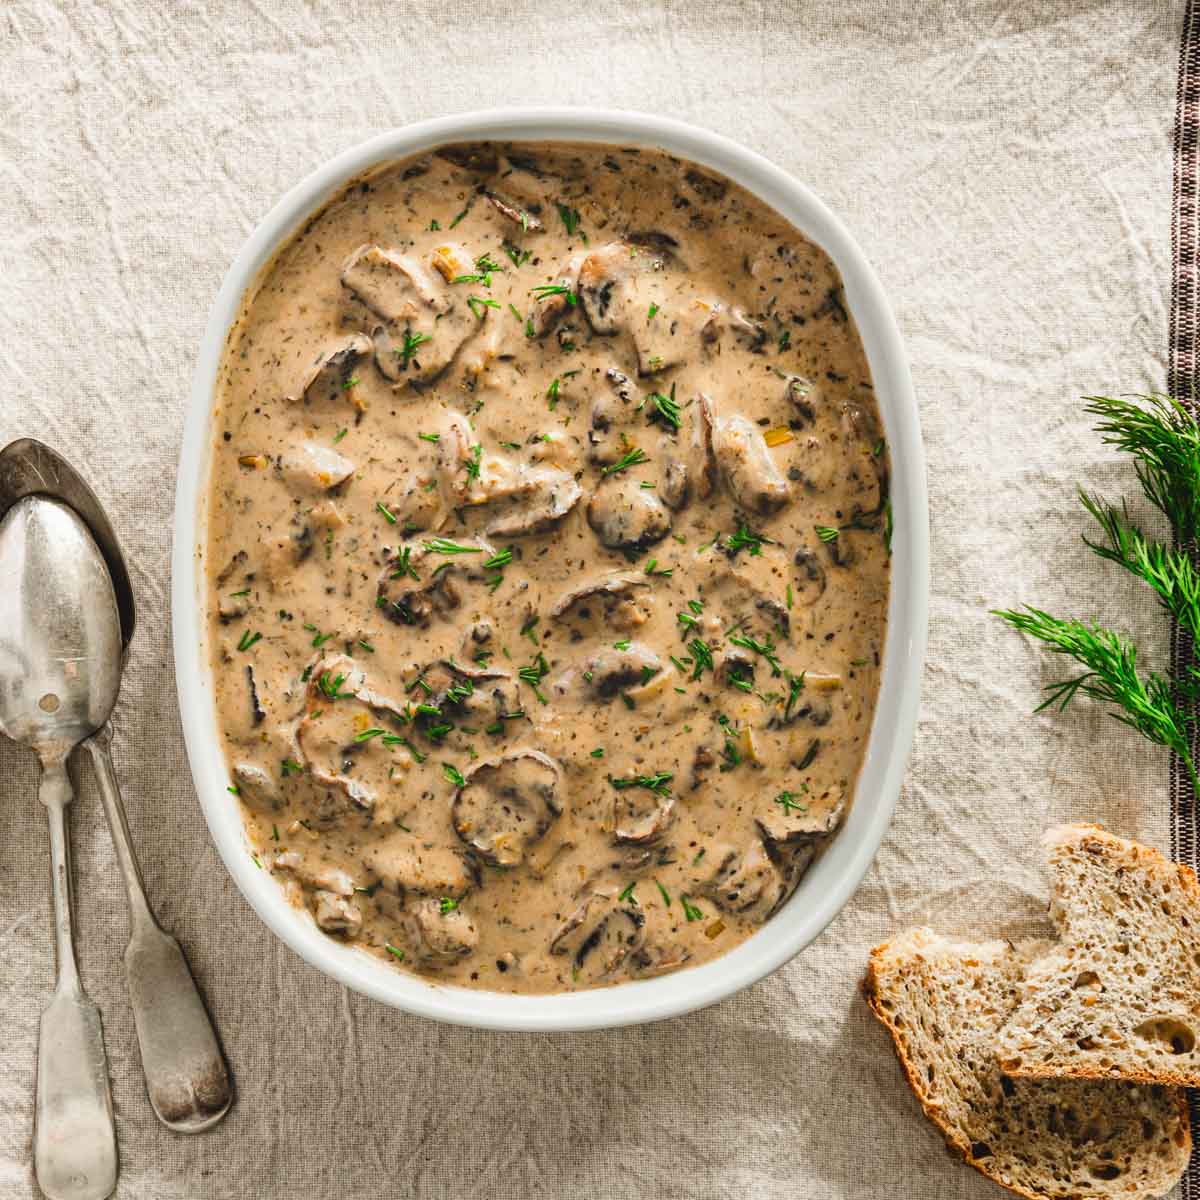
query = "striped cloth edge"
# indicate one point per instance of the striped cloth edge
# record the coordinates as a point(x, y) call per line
point(1182, 383)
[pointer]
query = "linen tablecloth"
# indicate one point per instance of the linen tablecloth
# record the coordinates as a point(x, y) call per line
point(1007, 167)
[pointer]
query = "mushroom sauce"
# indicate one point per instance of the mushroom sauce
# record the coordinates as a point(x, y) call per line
point(548, 556)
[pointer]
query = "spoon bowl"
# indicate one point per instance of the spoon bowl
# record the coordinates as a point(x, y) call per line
point(60, 633)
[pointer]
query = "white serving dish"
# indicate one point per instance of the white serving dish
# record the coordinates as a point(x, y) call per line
point(833, 879)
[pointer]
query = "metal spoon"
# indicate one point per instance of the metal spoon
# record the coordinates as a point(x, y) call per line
point(60, 654)
point(187, 1078)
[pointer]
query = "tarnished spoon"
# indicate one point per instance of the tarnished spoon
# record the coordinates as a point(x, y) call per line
point(187, 1078)
point(60, 668)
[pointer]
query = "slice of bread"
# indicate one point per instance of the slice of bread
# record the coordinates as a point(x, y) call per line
point(1118, 996)
point(943, 1002)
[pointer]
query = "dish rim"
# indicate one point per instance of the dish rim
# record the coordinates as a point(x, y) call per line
point(836, 875)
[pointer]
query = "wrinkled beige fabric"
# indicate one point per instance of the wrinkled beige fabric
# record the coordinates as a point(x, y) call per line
point(1007, 168)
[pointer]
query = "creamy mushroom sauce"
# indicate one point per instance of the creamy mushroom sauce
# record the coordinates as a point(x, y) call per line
point(548, 559)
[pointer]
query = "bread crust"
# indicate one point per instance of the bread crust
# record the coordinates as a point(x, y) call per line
point(1095, 839)
point(958, 1145)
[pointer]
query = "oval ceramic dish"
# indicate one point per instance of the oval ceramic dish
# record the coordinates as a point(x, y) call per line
point(833, 879)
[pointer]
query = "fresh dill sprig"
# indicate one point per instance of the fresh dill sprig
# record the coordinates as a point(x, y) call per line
point(1164, 439)
point(1168, 571)
point(1146, 704)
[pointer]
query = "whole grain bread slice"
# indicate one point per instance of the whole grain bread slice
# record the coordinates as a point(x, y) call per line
point(1118, 995)
point(943, 1002)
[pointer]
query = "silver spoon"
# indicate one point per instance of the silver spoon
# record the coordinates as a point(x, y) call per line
point(60, 654)
point(187, 1078)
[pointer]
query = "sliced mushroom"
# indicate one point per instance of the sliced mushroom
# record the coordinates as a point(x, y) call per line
point(795, 825)
point(336, 914)
point(801, 399)
point(257, 715)
point(537, 499)
point(626, 516)
point(599, 936)
point(420, 586)
point(403, 863)
point(606, 588)
point(507, 804)
point(642, 816)
point(327, 382)
point(702, 449)
point(746, 882)
point(659, 958)
point(674, 487)
point(313, 468)
point(744, 458)
point(529, 222)
point(550, 309)
point(707, 187)
point(255, 788)
point(424, 324)
point(611, 415)
point(607, 287)
point(610, 670)
point(480, 157)
point(808, 579)
point(474, 694)
point(438, 934)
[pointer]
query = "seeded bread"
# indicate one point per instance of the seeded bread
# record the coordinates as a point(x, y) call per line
point(1118, 996)
point(943, 1003)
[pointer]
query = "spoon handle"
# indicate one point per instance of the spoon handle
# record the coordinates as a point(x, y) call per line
point(187, 1078)
point(74, 1143)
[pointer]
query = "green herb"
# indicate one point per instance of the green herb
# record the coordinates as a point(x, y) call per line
point(785, 338)
point(417, 755)
point(519, 257)
point(447, 904)
point(745, 539)
point(570, 219)
point(826, 533)
point(653, 310)
point(662, 891)
point(631, 458)
point(888, 524)
point(688, 619)
point(529, 626)
point(430, 437)
point(534, 674)
point(689, 909)
point(795, 687)
point(254, 859)
point(479, 306)
point(368, 734)
point(321, 638)
point(789, 803)
point(766, 649)
point(441, 545)
point(666, 407)
point(1165, 443)
point(290, 766)
point(627, 896)
point(656, 783)
point(331, 685)
point(455, 776)
point(500, 559)
point(274, 833)
point(652, 568)
point(730, 756)
point(409, 348)
point(434, 225)
point(623, 644)
point(545, 290)
point(383, 508)
point(233, 789)
point(353, 381)
point(398, 955)
point(598, 752)
point(552, 393)
point(248, 639)
point(473, 461)
point(701, 655)
point(788, 597)
point(403, 563)
point(459, 217)
point(341, 433)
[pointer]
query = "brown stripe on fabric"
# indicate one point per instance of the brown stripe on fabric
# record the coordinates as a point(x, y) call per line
point(1182, 383)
